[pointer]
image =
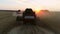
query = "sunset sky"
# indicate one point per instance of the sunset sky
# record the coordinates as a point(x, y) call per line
point(53, 5)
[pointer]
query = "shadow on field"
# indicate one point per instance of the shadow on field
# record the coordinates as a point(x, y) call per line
point(13, 24)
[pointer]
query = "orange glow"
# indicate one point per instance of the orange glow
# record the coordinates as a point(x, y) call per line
point(42, 13)
point(37, 10)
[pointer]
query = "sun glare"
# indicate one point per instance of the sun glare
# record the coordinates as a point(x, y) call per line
point(37, 10)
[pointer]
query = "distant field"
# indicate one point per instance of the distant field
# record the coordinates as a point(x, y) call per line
point(53, 21)
point(7, 20)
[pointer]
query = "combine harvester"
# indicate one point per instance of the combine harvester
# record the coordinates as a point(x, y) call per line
point(29, 17)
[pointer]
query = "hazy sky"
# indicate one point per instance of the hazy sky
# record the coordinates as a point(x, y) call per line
point(34, 4)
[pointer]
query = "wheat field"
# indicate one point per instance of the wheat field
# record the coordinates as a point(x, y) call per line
point(7, 21)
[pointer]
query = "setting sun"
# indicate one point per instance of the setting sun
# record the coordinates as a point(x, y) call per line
point(37, 10)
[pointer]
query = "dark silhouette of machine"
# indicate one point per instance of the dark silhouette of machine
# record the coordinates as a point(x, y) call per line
point(29, 16)
point(18, 15)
